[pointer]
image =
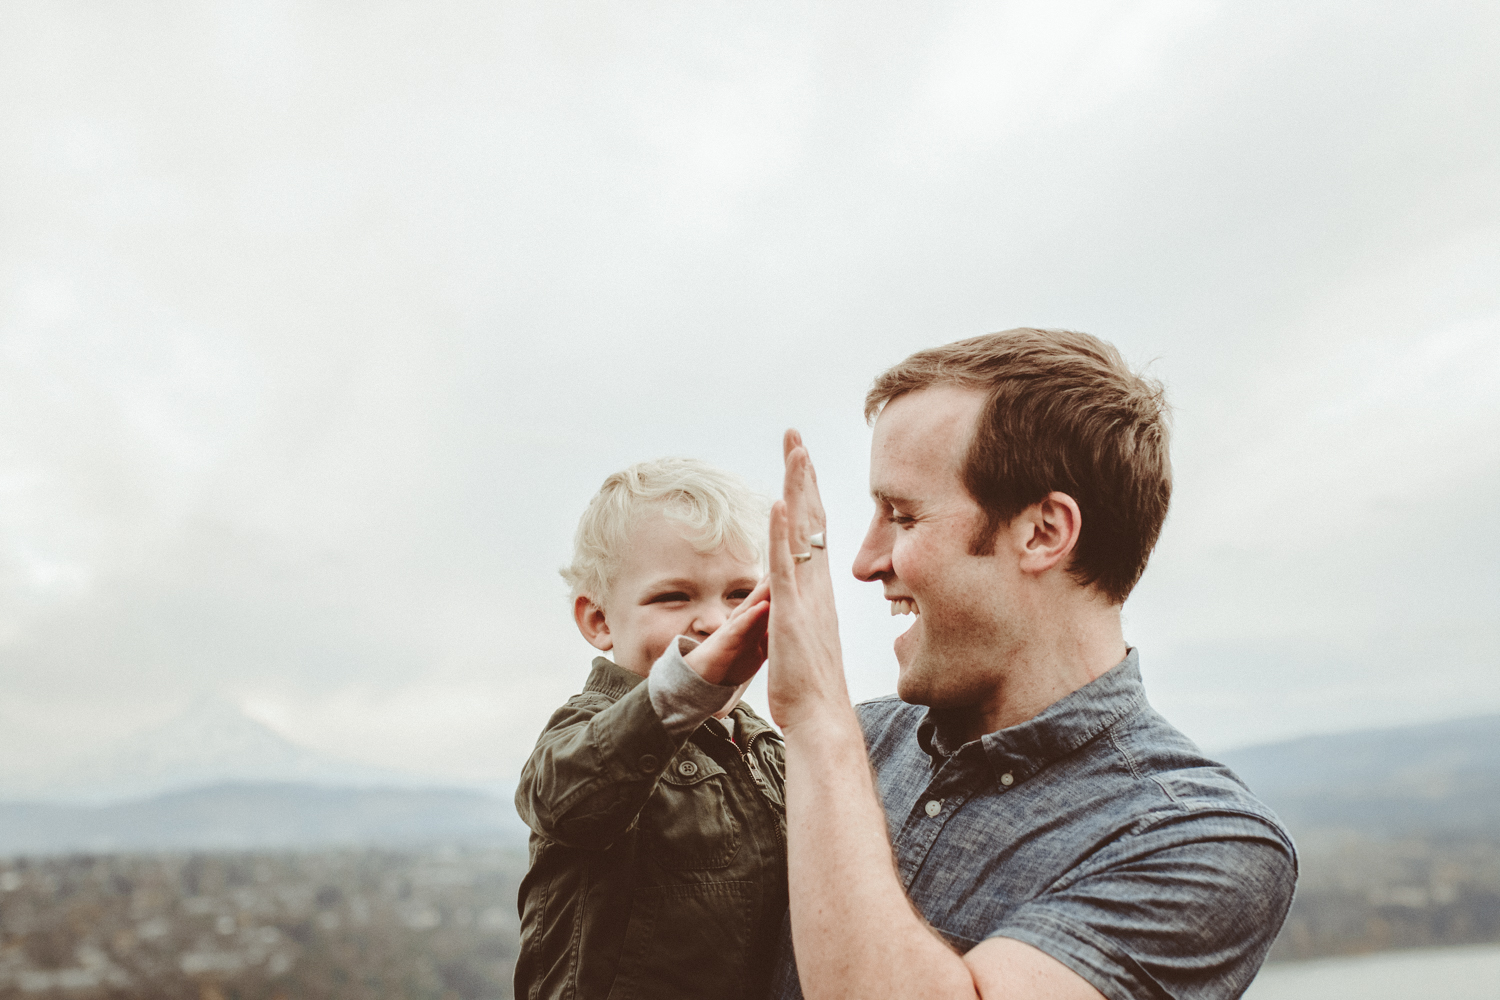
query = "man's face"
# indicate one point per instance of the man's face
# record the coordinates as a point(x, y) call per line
point(918, 548)
point(666, 588)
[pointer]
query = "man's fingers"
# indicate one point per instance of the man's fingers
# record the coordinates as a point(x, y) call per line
point(781, 576)
point(800, 490)
point(794, 491)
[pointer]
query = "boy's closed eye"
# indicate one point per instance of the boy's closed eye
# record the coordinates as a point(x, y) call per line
point(671, 597)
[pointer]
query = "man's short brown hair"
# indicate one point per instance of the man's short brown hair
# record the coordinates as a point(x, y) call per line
point(1063, 411)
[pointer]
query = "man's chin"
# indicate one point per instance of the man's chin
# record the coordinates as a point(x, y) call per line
point(912, 684)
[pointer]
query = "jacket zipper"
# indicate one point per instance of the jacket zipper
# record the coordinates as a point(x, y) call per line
point(759, 786)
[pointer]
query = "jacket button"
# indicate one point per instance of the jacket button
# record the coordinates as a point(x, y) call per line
point(687, 769)
point(648, 762)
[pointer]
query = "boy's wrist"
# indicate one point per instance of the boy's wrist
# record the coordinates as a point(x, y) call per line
point(680, 696)
point(694, 656)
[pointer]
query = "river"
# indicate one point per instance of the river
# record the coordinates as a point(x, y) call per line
point(1471, 973)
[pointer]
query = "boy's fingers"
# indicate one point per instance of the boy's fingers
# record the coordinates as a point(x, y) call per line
point(762, 592)
point(737, 625)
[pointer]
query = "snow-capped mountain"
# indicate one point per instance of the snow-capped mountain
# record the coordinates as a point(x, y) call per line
point(213, 742)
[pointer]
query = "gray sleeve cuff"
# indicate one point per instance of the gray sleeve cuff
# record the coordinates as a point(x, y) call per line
point(681, 698)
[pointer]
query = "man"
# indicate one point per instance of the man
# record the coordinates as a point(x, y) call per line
point(1053, 836)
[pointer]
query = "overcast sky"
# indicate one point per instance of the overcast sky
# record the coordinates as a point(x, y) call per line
point(321, 322)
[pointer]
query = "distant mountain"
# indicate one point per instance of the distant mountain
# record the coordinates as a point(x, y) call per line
point(262, 816)
point(214, 779)
point(211, 743)
point(1436, 778)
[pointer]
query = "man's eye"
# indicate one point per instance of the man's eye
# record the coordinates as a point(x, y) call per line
point(896, 518)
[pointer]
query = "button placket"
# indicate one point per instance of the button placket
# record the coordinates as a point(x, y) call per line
point(939, 802)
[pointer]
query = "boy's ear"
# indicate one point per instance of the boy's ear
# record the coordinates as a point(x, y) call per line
point(591, 624)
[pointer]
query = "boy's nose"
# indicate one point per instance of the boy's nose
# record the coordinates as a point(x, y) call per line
point(708, 620)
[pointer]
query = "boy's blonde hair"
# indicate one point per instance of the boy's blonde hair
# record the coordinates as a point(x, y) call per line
point(714, 507)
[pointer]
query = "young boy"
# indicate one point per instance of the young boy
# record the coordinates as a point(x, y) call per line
point(658, 845)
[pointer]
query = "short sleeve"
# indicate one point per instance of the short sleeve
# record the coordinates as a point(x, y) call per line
point(1185, 908)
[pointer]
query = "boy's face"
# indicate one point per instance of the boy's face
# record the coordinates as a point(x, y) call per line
point(664, 588)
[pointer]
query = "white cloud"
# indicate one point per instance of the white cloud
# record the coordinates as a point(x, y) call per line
point(317, 330)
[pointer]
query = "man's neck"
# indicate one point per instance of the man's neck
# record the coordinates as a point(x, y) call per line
point(1039, 673)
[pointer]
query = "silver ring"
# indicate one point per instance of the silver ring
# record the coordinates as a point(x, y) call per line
point(816, 540)
point(801, 557)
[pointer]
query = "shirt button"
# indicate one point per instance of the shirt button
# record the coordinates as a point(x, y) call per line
point(1007, 779)
point(648, 762)
point(687, 769)
point(934, 806)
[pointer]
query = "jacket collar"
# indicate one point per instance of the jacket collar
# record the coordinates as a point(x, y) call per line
point(750, 724)
point(610, 680)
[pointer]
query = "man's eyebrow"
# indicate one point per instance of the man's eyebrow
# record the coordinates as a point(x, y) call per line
point(891, 499)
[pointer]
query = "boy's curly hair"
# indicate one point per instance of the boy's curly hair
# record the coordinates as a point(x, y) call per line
point(714, 507)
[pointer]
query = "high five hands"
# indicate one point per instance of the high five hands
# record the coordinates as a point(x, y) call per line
point(789, 617)
point(807, 666)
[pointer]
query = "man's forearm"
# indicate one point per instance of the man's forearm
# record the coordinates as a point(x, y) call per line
point(855, 934)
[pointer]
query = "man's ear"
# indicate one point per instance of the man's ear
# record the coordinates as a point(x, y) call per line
point(1049, 532)
point(589, 617)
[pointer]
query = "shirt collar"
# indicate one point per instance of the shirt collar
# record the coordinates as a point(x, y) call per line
point(1058, 730)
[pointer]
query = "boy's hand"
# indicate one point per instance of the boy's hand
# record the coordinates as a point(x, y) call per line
point(736, 650)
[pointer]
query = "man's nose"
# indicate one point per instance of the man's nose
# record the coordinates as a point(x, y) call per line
point(873, 561)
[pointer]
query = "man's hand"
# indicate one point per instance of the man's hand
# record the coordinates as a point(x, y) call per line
point(807, 664)
point(736, 650)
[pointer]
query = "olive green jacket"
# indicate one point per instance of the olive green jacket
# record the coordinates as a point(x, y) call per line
point(658, 863)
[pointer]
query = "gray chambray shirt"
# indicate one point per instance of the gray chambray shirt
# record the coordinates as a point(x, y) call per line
point(1095, 832)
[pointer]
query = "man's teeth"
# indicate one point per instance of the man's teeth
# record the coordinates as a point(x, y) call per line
point(904, 606)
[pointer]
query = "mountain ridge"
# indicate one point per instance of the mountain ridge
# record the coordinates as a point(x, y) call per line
point(262, 816)
point(213, 741)
point(1434, 777)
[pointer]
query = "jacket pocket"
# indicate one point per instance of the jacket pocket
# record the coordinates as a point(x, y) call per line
point(687, 823)
point(686, 942)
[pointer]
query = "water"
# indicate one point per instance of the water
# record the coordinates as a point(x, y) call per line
point(1471, 973)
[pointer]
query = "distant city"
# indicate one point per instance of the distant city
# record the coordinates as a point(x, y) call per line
point(260, 871)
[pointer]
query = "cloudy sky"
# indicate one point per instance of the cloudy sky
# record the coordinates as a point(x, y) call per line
point(321, 322)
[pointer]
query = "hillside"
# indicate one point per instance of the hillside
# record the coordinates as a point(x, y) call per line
point(1398, 832)
point(1441, 777)
point(269, 816)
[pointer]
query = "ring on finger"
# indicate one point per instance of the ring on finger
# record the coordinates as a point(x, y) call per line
point(815, 540)
point(801, 557)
